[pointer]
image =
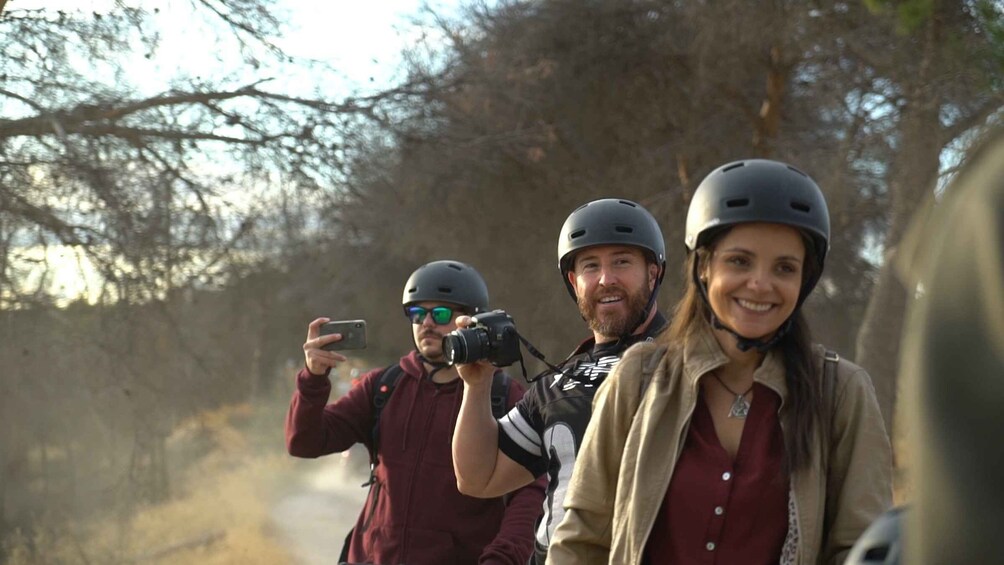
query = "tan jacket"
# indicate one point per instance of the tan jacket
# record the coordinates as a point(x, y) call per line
point(632, 444)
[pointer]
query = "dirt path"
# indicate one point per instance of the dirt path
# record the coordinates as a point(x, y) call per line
point(313, 522)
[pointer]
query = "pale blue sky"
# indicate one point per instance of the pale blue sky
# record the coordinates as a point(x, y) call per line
point(361, 40)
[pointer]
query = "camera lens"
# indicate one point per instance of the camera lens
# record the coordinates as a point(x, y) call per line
point(454, 349)
point(465, 345)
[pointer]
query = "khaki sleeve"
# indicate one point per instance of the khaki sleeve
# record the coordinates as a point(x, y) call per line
point(859, 483)
point(584, 535)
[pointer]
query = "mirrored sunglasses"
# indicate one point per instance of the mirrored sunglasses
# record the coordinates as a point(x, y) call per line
point(442, 315)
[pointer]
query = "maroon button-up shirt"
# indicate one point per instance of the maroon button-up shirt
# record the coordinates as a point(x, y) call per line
point(721, 511)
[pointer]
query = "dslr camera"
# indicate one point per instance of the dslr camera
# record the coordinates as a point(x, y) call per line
point(491, 336)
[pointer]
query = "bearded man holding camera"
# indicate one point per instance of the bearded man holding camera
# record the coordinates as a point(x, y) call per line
point(612, 257)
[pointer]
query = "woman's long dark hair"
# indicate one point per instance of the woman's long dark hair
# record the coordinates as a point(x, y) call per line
point(692, 315)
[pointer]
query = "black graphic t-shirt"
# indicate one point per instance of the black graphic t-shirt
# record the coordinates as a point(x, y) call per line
point(544, 430)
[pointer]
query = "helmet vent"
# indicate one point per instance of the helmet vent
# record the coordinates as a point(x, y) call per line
point(877, 554)
point(454, 267)
point(631, 204)
point(736, 166)
point(412, 289)
point(445, 290)
point(798, 171)
point(737, 203)
point(576, 234)
point(801, 206)
point(623, 229)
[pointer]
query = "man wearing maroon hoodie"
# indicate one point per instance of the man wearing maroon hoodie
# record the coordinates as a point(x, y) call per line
point(414, 514)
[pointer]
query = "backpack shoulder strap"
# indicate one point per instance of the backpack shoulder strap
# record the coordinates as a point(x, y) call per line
point(830, 360)
point(500, 394)
point(828, 418)
point(383, 387)
point(829, 392)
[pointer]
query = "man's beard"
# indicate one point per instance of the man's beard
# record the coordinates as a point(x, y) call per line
point(621, 324)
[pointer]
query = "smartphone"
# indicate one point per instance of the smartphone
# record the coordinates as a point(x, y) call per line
point(353, 334)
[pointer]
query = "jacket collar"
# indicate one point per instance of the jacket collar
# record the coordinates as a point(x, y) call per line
point(702, 354)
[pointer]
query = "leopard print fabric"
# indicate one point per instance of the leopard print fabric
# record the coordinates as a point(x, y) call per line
point(789, 552)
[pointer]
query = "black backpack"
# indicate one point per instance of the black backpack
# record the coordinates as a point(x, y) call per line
point(383, 388)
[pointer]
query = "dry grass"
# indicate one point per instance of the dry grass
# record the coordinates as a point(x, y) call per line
point(219, 515)
point(226, 504)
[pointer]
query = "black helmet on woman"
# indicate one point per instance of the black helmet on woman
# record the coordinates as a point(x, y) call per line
point(760, 190)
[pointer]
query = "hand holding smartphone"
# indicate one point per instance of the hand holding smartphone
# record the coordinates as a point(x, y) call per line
point(353, 334)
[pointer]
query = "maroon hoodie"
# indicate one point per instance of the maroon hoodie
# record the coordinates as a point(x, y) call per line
point(414, 514)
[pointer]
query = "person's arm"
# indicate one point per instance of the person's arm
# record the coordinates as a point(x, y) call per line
point(482, 469)
point(584, 534)
point(313, 427)
point(859, 482)
point(513, 545)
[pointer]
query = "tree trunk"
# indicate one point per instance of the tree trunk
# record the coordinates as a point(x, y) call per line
point(878, 338)
point(912, 177)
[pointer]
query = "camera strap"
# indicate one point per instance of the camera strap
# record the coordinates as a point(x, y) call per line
point(536, 353)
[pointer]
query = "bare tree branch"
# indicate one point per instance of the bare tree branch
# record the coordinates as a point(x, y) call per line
point(972, 119)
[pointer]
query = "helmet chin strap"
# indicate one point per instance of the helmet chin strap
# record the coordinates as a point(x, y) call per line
point(644, 313)
point(437, 366)
point(743, 343)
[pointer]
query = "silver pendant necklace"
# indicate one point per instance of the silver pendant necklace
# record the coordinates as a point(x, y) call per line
point(740, 407)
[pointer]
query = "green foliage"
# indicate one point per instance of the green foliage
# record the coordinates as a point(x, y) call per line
point(910, 14)
point(990, 16)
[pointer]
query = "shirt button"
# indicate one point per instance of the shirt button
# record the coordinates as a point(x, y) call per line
point(719, 511)
point(710, 546)
point(726, 476)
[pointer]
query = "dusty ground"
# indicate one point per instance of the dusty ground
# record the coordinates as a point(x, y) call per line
point(312, 521)
point(245, 501)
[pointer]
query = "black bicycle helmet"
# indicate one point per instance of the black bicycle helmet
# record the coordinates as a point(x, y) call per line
point(610, 221)
point(880, 543)
point(447, 281)
point(759, 190)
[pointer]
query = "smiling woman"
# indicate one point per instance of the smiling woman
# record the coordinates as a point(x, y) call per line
point(753, 277)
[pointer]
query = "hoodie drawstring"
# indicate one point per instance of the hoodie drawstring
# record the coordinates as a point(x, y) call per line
point(457, 399)
point(407, 423)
